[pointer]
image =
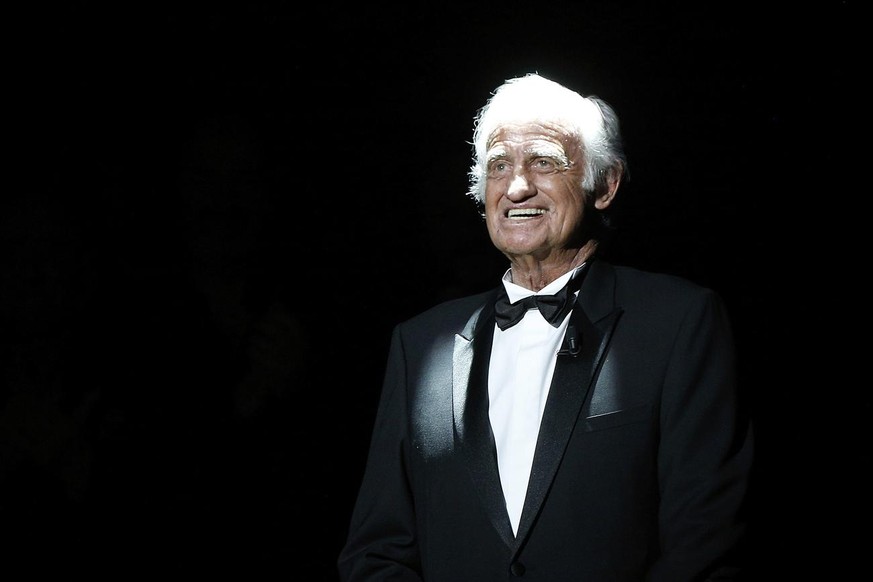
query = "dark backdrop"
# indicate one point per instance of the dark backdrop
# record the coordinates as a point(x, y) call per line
point(218, 214)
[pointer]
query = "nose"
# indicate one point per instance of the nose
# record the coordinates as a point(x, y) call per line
point(520, 187)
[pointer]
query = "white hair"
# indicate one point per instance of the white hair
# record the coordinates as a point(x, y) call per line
point(533, 98)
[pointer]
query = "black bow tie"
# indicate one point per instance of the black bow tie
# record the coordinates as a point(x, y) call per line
point(552, 307)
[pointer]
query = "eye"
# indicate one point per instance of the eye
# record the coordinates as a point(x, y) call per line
point(498, 168)
point(545, 165)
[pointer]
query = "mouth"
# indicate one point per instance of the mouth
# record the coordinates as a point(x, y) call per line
point(524, 213)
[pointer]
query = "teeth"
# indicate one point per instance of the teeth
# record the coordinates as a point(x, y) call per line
point(525, 212)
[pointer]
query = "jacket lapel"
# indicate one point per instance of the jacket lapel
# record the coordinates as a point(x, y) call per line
point(570, 385)
point(473, 436)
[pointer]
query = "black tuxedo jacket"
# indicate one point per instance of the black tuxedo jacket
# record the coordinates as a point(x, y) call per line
point(642, 461)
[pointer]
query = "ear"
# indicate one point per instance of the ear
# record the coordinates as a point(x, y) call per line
point(607, 195)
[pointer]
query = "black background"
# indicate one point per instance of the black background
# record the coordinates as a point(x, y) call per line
point(199, 197)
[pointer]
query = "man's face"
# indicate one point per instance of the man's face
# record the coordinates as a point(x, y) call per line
point(534, 202)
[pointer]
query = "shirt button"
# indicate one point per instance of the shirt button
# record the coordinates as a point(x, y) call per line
point(517, 569)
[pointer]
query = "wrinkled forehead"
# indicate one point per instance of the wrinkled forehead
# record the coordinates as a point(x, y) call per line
point(526, 150)
point(532, 139)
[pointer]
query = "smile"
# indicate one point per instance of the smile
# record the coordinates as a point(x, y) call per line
point(525, 213)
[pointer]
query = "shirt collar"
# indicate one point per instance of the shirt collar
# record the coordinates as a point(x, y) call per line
point(517, 292)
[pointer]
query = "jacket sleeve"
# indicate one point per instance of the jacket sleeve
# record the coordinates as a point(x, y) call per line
point(382, 543)
point(705, 453)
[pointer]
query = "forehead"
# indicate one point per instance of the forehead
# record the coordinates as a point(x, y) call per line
point(540, 138)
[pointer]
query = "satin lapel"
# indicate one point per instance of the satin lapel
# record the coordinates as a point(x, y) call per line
point(473, 436)
point(570, 385)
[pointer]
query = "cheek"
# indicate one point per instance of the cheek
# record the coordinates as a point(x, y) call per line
point(574, 216)
point(492, 200)
point(492, 192)
point(491, 220)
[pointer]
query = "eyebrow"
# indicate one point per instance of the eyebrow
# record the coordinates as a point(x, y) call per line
point(495, 154)
point(548, 151)
point(535, 151)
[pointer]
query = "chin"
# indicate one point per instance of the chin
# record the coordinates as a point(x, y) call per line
point(516, 249)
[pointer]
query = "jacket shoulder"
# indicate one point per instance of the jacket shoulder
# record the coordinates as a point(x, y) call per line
point(442, 322)
point(657, 284)
point(451, 313)
point(649, 293)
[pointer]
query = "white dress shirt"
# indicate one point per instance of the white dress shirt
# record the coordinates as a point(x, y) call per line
point(519, 375)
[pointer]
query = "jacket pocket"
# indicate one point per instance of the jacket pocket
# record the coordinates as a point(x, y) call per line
point(631, 415)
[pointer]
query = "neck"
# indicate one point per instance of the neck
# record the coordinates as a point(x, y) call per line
point(535, 274)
